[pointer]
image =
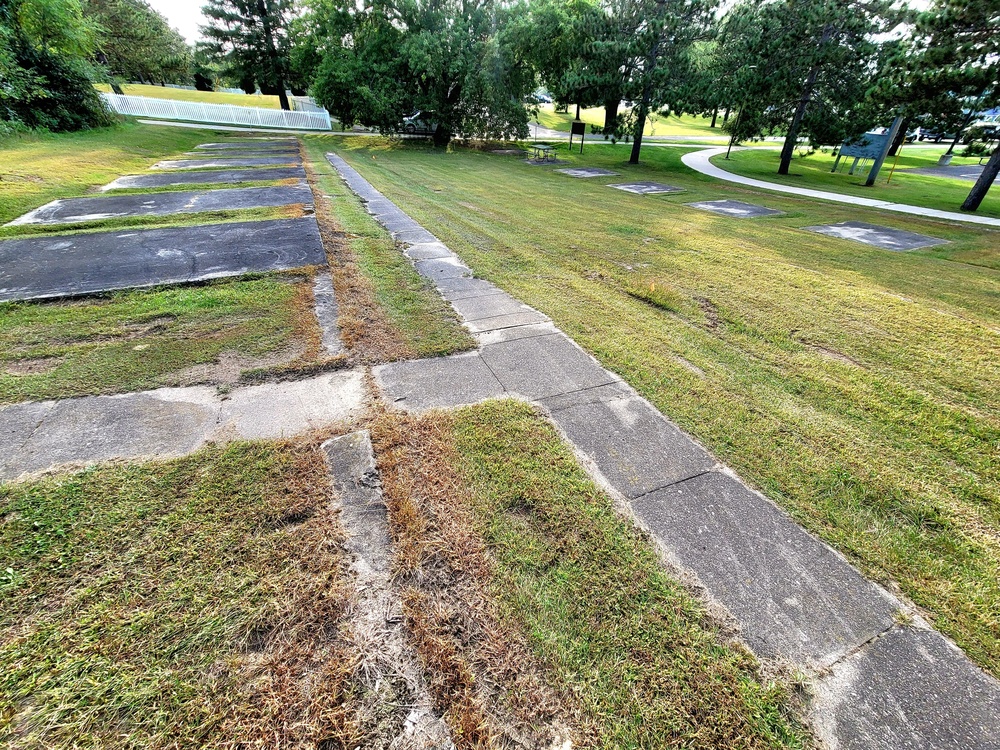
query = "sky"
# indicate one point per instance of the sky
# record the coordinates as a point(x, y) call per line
point(183, 15)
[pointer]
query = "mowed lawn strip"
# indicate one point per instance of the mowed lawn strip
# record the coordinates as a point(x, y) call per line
point(508, 547)
point(414, 320)
point(38, 168)
point(149, 338)
point(813, 171)
point(855, 386)
point(693, 126)
point(191, 603)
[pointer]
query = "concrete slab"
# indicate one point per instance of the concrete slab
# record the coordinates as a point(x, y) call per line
point(428, 251)
point(363, 514)
point(76, 210)
point(500, 322)
point(325, 304)
point(442, 268)
point(254, 161)
point(68, 265)
point(871, 234)
point(543, 366)
point(438, 383)
point(793, 597)
point(908, 689)
point(735, 209)
point(171, 421)
point(459, 287)
point(169, 179)
point(278, 143)
point(587, 172)
point(647, 188)
point(970, 172)
point(410, 233)
point(514, 333)
point(491, 306)
point(631, 443)
point(288, 155)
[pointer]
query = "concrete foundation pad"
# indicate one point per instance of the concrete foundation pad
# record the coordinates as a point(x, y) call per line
point(735, 209)
point(647, 188)
point(528, 331)
point(76, 210)
point(252, 161)
point(325, 304)
point(587, 172)
point(491, 306)
point(630, 442)
point(409, 233)
point(437, 383)
point(170, 421)
point(542, 366)
point(68, 265)
point(907, 689)
point(872, 234)
point(970, 172)
point(794, 597)
point(260, 143)
point(247, 152)
point(170, 179)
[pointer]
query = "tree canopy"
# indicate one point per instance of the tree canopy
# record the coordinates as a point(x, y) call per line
point(136, 43)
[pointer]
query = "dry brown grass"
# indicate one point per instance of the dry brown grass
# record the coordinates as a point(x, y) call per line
point(364, 325)
point(484, 679)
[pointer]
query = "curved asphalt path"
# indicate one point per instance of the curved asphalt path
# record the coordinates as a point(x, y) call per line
point(699, 162)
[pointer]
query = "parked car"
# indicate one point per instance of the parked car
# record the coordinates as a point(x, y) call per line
point(419, 123)
point(935, 135)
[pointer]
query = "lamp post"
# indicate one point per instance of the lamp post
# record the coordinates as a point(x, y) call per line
point(739, 118)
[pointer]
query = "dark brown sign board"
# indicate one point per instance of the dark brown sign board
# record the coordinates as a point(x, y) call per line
point(577, 127)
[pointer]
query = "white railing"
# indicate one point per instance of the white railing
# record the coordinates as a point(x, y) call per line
point(172, 109)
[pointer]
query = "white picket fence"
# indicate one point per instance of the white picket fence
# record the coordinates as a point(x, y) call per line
point(172, 109)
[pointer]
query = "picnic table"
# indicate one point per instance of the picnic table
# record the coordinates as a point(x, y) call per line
point(543, 152)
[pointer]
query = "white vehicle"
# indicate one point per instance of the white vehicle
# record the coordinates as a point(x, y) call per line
point(419, 123)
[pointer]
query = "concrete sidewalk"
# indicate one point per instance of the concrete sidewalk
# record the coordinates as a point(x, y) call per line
point(876, 683)
point(699, 161)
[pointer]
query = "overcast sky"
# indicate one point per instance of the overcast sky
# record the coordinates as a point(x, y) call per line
point(183, 15)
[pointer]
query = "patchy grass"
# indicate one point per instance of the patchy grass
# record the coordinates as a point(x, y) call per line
point(854, 386)
point(144, 339)
point(813, 171)
point(38, 168)
point(187, 95)
point(193, 603)
point(685, 125)
point(540, 613)
point(387, 311)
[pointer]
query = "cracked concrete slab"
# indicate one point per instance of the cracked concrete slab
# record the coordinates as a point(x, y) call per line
point(544, 366)
point(886, 238)
point(459, 287)
point(411, 234)
point(647, 188)
point(793, 597)
point(169, 422)
point(171, 179)
point(418, 385)
point(59, 266)
point(442, 268)
point(427, 251)
point(735, 209)
point(325, 304)
point(510, 320)
point(586, 172)
point(74, 210)
point(528, 331)
point(909, 689)
point(255, 161)
point(491, 306)
point(629, 441)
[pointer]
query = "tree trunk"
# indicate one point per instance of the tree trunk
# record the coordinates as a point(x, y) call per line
point(577, 112)
point(282, 96)
point(442, 136)
point(793, 129)
point(900, 137)
point(640, 125)
point(715, 116)
point(610, 115)
point(984, 182)
point(272, 53)
point(725, 117)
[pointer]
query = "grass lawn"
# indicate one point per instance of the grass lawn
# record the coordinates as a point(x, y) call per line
point(854, 386)
point(177, 604)
point(813, 171)
point(187, 95)
point(534, 605)
point(38, 168)
point(685, 125)
point(145, 339)
point(387, 311)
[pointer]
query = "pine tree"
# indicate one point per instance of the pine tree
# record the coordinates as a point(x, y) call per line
point(251, 36)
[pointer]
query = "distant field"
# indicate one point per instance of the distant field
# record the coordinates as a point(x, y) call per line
point(186, 95)
point(686, 125)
